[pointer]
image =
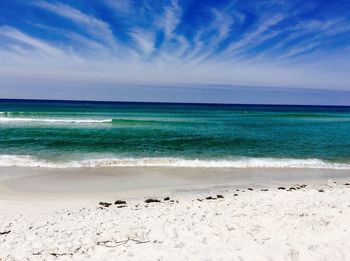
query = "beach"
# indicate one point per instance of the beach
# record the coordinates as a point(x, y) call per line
point(174, 130)
point(254, 215)
point(149, 181)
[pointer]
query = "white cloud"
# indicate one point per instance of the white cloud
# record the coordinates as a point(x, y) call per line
point(97, 28)
point(123, 6)
point(23, 38)
point(145, 40)
point(254, 35)
point(171, 18)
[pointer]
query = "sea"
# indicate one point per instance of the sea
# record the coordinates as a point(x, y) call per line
point(73, 134)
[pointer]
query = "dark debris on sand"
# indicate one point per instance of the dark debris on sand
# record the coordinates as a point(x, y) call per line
point(152, 200)
point(119, 202)
point(105, 204)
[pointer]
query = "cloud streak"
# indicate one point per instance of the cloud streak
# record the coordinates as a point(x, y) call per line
point(97, 29)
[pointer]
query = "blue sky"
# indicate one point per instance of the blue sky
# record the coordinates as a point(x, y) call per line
point(203, 51)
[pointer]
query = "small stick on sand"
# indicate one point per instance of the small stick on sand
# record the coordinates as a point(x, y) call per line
point(119, 243)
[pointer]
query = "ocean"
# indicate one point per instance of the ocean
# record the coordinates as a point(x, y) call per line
point(63, 134)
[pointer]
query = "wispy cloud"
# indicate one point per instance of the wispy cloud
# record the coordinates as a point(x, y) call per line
point(145, 41)
point(208, 38)
point(25, 40)
point(124, 6)
point(98, 29)
point(170, 19)
point(259, 34)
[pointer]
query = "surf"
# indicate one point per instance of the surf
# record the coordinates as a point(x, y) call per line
point(50, 120)
point(238, 163)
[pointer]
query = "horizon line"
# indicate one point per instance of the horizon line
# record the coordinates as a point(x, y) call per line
point(176, 103)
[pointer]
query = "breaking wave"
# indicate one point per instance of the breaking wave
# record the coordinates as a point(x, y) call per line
point(29, 161)
point(45, 120)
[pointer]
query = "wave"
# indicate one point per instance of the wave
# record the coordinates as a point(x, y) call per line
point(6, 118)
point(29, 161)
point(46, 120)
point(13, 119)
point(83, 121)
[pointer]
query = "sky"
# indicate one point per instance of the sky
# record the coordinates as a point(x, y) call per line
point(261, 51)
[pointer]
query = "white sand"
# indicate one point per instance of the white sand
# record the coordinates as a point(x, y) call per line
point(275, 225)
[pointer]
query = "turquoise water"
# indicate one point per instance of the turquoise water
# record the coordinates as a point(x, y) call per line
point(73, 134)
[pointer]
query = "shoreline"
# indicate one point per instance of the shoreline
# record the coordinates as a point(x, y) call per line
point(89, 183)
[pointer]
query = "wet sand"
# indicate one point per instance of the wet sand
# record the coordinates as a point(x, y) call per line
point(89, 183)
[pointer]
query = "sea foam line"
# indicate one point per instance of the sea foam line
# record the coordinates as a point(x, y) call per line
point(29, 161)
point(7, 119)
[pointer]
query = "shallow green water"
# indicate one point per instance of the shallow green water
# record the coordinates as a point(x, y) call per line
point(42, 133)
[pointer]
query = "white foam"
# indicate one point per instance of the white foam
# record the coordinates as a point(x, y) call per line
point(28, 161)
point(46, 120)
